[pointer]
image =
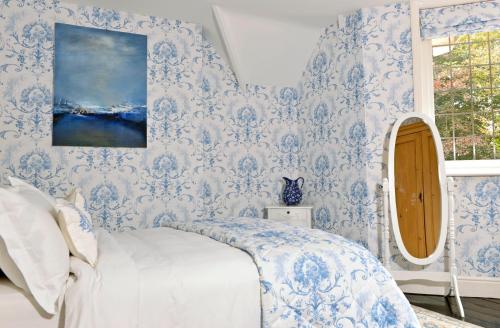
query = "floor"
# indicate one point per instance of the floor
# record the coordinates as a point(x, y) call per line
point(483, 312)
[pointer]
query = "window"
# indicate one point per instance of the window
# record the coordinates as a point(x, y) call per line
point(466, 83)
point(457, 84)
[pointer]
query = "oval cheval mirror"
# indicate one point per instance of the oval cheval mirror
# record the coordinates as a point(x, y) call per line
point(418, 189)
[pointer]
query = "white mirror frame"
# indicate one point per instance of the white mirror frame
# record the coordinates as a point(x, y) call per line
point(442, 186)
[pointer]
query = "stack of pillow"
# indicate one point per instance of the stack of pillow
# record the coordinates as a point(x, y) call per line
point(37, 235)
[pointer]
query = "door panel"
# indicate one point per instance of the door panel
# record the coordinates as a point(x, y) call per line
point(409, 201)
point(432, 195)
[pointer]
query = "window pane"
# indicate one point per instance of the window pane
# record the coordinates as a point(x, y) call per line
point(495, 103)
point(464, 148)
point(484, 148)
point(460, 77)
point(444, 124)
point(460, 38)
point(495, 35)
point(455, 55)
point(479, 37)
point(463, 125)
point(461, 100)
point(479, 53)
point(448, 149)
point(495, 52)
point(496, 126)
point(442, 78)
point(480, 76)
point(482, 100)
point(483, 124)
point(495, 74)
point(459, 55)
point(443, 102)
point(441, 56)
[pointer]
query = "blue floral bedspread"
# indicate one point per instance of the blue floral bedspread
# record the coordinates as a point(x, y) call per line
point(311, 278)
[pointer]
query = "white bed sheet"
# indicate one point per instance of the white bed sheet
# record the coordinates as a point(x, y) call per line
point(164, 278)
point(18, 310)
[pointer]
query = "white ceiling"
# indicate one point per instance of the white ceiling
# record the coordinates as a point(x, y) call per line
point(318, 13)
point(311, 14)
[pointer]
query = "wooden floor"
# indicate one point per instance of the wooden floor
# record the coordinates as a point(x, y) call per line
point(483, 312)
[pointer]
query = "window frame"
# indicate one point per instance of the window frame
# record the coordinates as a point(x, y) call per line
point(423, 78)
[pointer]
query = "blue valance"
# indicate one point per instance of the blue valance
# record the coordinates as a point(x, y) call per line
point(460, 19)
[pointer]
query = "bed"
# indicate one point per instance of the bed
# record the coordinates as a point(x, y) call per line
point(237, 272)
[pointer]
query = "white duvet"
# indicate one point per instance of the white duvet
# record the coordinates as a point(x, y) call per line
point(164, 278)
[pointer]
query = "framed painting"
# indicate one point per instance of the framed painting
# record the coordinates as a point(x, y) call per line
point(100, 88)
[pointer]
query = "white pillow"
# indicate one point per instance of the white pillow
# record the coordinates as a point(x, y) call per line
point(33, 195)
point(78, 231)
point(10, 268)
point(36, 246)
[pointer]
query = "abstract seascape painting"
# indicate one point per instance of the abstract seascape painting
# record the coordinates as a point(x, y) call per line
point(100, 88)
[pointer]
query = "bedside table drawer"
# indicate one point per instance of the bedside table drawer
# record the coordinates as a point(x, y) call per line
point(298, 216)
point(286, 213)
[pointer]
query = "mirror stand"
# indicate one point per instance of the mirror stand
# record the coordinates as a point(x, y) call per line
point(444, 277)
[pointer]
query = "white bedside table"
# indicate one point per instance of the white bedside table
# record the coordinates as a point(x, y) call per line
point(294, 215)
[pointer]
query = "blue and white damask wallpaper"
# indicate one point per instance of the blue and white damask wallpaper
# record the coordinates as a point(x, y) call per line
point(215, 149)
point(357, 82)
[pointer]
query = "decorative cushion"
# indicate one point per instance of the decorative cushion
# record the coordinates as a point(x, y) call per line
point(34, 244)
point(77, 229)
point(75, 197)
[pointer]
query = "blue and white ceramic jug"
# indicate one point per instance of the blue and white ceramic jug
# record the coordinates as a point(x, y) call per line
point(292, 194)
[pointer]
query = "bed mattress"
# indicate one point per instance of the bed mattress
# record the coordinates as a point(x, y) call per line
point(164, 278)
point(18, 310)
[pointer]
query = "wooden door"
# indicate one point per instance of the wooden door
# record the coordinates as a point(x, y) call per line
point(418, 197)
point(432, 194)
point(408, 179)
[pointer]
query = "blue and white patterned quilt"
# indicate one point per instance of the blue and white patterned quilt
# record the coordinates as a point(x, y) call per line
point(311, 278)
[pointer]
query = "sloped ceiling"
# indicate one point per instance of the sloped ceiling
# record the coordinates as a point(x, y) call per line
point(263, 50)
point(250, 26)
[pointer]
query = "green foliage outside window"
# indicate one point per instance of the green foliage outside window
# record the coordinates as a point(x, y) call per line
point(467, 95)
